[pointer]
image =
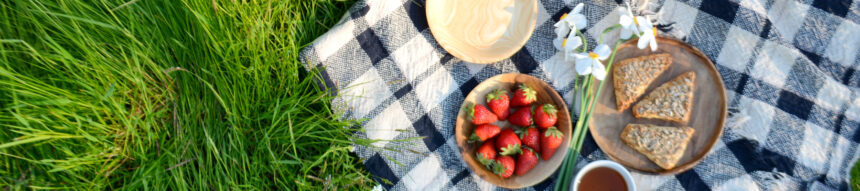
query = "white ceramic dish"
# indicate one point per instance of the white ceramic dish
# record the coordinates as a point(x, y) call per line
point(604, 163)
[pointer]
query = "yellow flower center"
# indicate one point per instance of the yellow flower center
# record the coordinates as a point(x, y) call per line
point(655, 31)
point(563, 42)
point(635, 22)
point(563, 16)
point(592, 55)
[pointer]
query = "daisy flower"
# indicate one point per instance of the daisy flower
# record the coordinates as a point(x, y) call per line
point(589, 63)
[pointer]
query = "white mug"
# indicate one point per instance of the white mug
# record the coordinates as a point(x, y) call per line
point(608, 164)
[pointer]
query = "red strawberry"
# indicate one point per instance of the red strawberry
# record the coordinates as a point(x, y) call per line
point(550, 141)
point(545, 116)
point(499, 103)
point(524, 96)
point(508, 143)
point(521, 117)
point(486, 153)
point(484, 132)
point(531, 138)
point(479, 114)
point(526, 161)
point(504, 166)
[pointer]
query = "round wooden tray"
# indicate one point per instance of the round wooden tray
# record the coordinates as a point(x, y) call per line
point(708, 115)
point(545, 94)
point(482, 31)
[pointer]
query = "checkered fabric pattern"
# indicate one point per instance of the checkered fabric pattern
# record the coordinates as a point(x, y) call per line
point(790, 68)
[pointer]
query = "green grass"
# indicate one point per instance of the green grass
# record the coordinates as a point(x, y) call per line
point(855, 176)
point(178, 95)
point(170, 95)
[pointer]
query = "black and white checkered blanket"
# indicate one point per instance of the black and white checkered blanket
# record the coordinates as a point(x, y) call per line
point(790, 68)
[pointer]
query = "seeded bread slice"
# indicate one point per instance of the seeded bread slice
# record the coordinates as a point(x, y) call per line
point(632, 77)
point(663, 145)
point(671, 101)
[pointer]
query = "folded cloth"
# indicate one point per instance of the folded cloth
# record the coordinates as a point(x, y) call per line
point(789, 67)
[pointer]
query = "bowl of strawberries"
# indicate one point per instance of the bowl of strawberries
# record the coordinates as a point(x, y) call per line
point(513, 130)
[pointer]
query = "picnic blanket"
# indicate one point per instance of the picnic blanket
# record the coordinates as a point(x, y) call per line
point(790, 69)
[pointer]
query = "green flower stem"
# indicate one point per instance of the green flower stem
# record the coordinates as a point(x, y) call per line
point(588, 101)
point(579, 132)
point(599, 88)
point(564, 174)
point(584, 41)
point(608, 68)
point(584, 97)
point(607, 30)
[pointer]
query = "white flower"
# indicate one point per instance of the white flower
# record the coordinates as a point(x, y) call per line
point(575, 18)
point(589, 63)
point(561, 43)
point(561, 27)
point(561, 30)
point(649, 36)
point(571, 42)
point(558, 42)
point(627, 21)
point(569, 46)
point(567, 26)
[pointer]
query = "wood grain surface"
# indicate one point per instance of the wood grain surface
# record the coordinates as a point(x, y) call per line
point(708, 113)
point(482, 31)
point(545, 94)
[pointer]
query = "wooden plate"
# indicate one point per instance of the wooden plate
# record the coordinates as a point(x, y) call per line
point(482, 31)
point(545, 94)
point(708, 115)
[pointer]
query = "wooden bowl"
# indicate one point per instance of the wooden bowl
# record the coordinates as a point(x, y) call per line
point(482, 31)
point(545, 94)
point(708, 115)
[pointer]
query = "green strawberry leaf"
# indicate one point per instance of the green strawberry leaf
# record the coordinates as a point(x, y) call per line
point(499, 168)
point(521, 132)
point(496, 94)
point(552, 131)
point(530, 93)
point(484, 160)
point(511, 150)
point(470, 111)
point(549, 109)
point(474, 138)
point(532, 110)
